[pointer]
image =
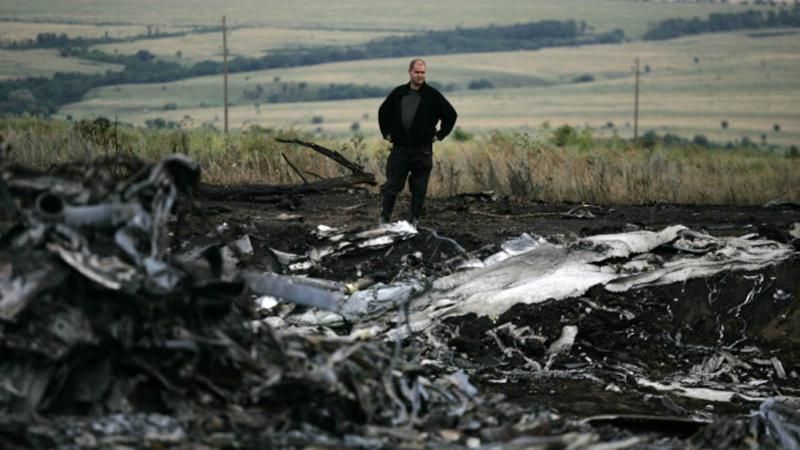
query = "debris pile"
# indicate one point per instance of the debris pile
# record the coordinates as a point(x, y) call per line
point(122, 326)
point(98, 319)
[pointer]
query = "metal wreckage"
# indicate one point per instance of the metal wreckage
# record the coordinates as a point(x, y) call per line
point(115, 332)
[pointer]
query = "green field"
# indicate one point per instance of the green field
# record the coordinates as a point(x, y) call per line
point(249, 42)
point(632, 16)
point(748, 82)
point(44, 63)
point(689, 85)
point(20, 31)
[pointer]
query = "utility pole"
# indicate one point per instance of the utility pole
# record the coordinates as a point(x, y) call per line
point(636, 106)
point(225, 70)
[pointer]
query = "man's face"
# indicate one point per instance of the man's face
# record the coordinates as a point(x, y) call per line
point(417, 74)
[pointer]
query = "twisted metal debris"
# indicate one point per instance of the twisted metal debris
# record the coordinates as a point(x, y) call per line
point(99, 317)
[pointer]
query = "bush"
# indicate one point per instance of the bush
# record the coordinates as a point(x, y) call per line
point(316, 120)
point(483, 83)
point(701, 140)
point(567, 135)
point(144, 56)
point(160, 123)
point(585, 78)
point(649, 140)
point(563, 135)
point(460, 135)
point(746, 142)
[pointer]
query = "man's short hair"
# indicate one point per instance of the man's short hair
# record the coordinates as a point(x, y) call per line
point(414, 61)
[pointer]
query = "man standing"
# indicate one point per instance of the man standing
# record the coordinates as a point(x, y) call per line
point(408, 119)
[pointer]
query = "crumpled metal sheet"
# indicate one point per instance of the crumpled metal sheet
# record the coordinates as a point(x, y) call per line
point(135, 216)
point(378, 299)
point(775, 424)
point(17, 290)
point(551, 271)
point(23, 386)
point(335, 242)
point(783, 421)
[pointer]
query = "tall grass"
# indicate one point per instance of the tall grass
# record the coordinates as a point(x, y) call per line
point(516, 164)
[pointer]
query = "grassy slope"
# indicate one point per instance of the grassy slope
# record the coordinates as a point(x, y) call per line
point(19, 31)
point(45, 62)
point(747, 81)
point(249, 42)
point(632, 16)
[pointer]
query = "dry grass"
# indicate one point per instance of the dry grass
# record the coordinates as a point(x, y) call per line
point(517, 165)
point(523, 166)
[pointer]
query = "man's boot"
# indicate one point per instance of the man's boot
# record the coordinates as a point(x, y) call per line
point(416, 208)
point(386, 210)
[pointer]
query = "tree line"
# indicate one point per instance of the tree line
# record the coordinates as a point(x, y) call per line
point(720, 22)
point(44, 95)
point(63, 42)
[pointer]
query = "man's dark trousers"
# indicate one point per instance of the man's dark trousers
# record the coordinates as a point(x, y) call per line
point(414, 164)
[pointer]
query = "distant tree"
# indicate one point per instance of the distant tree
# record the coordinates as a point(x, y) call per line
point(721, 22)
point(585, 78)
point(355, 126)
point(480, 84)
point(724, 124)
point(23, 96)
point(649, 140)
point(253, 94)
point(144, 56)
point(460, 135)
point(317, 120)
point(701, 140)
point(158, 122)
point(563, 135)
point(776, 127)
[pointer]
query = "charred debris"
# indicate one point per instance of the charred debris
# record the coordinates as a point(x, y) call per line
point(118, 329)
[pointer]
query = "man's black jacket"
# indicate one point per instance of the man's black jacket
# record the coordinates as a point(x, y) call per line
point(432, 108)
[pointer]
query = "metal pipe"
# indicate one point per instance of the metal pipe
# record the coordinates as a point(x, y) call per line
point(52, 208)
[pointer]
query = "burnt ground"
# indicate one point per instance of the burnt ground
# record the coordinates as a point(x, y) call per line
point(187, 353)
point(670, 329)
point(478, 223)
